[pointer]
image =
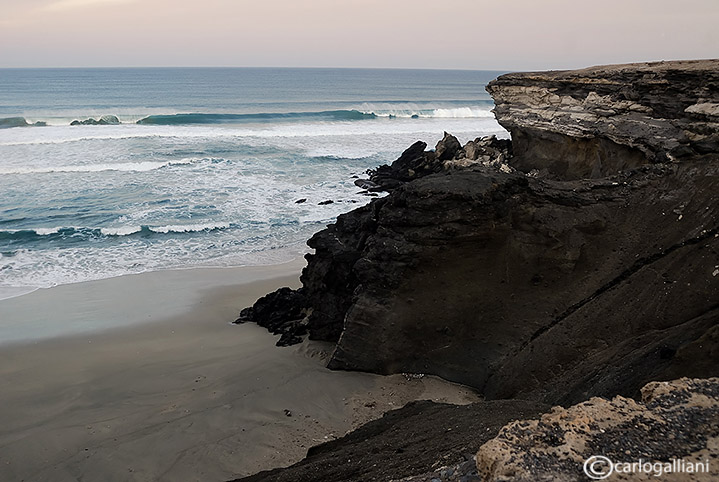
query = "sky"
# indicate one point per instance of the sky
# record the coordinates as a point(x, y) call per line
point(436, 34)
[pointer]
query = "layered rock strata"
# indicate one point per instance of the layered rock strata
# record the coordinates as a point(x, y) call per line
point(592, 122)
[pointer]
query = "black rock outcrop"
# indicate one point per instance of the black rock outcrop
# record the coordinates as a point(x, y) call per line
point(539, 286)
point(448, 154)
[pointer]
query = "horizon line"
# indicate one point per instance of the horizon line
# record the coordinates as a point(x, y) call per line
point(551, 66)
point(247, 67)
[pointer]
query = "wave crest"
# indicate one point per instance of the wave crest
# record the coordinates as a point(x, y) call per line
point(9, 122)
point(126, 166)
point(180, 119)
point(365, 112)
point(415, 112)
point(55, 232)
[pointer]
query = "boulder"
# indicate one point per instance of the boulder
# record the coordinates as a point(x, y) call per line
point(282, 312)
point(447, 148)
point(676, 420)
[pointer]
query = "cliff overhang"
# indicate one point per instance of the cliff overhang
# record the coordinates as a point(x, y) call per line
point(596, 121)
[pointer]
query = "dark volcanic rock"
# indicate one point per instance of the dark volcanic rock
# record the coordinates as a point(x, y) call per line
point(532, 288)
point(592, 122)
point(448, 154)
point(403, 169)
point(329, 277)
point(404, 443)
point(447, 148)
point(367, 185)
point(522, 287)
point(282, 312)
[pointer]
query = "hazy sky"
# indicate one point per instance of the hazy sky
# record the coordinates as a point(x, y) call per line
point(464, 34)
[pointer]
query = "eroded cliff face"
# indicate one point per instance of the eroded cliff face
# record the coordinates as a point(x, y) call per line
point(536, 287)
point(593, 122)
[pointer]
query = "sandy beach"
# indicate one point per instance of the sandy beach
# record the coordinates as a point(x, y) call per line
point(172, 391)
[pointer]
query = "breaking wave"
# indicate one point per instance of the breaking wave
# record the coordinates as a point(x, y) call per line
point(9, 122)
point(365, 112)
point(67, 232)
point(125, 166)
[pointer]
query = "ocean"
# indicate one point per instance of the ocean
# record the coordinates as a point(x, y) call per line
point(205, 167)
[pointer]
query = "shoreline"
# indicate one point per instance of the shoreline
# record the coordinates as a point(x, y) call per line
point(76, 308)
point(206, 398)
point(292, 253)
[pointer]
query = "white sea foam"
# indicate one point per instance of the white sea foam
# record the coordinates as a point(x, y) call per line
point(440, 120)
point(255, 188)
point(189, 228)
point(125, 166)
point(47, 231)
point(126, 230)
point(462, 112)
point(424, 111)
point(40, 231)
point(121, 231)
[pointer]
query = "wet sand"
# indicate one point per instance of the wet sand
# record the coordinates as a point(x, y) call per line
point(175, 392)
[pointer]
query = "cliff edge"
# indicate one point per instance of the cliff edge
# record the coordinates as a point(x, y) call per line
point(593, 122)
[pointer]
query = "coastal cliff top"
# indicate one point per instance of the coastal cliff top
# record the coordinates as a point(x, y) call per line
point(601, 70)
point(597, 121)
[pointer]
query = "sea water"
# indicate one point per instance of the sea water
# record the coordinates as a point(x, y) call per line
point(207, 166)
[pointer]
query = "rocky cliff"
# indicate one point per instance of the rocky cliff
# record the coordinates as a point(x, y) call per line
point(535, 286)
point(580, 260)
point(592, 122)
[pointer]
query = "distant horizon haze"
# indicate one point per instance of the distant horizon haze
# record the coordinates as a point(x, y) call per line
point(404, 34)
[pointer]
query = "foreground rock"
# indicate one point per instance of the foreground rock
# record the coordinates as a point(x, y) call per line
point(592, 122)
point(676, 420)
point(420, 437)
